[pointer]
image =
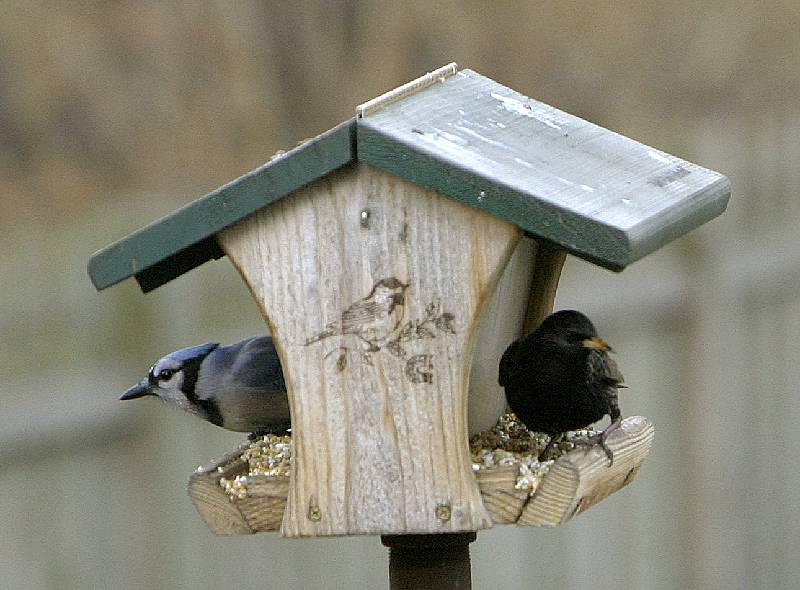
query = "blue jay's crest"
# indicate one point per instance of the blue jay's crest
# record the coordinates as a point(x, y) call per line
point(193, 352)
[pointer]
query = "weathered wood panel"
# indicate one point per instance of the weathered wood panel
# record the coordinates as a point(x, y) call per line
point(373, 289)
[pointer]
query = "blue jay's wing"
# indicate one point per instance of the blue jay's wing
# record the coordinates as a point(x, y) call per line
point(254, 409)
point(259, 365)
point(246, 380)
point(252, 363)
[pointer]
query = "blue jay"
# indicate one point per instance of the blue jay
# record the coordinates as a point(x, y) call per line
point(238, 387)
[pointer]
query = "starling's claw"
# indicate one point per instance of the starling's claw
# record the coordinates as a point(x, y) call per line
point(599, 439)
point(544, 455)
point(603, 436)
point(594, 441)
point(609, 454)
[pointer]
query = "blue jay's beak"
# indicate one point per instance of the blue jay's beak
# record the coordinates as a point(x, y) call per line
point(139, 390)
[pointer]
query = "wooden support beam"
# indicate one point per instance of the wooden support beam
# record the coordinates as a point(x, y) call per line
point(546, 274)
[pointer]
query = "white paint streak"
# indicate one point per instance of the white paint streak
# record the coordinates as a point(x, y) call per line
point(523, 108)
point(657, 156)
point(587, 188)
point(524, 163)
point(476, 135)
point(455, 147)
point(451, 137)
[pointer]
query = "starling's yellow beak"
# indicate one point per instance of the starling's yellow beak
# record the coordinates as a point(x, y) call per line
point(597, 344)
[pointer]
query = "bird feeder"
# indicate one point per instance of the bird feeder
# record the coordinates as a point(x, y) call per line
point(394, 257)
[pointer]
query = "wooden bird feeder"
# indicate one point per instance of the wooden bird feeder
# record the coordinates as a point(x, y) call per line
point(388, 260)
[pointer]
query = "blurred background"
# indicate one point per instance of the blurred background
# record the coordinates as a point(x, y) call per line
point(113, 114)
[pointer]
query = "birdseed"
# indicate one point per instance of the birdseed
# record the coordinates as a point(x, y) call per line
point(269, 455)
point(509, 443)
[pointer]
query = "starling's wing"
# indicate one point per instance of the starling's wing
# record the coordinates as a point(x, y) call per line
point(604, 379)
point(603, 370)
point(612, 372)
point(509, 364)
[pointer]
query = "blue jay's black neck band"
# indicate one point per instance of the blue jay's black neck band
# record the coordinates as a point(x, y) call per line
point(191, 369)
point(211, 409)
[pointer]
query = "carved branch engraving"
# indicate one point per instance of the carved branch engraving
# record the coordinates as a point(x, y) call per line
point(376, 321)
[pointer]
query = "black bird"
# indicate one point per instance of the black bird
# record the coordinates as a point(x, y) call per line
point(560, 377)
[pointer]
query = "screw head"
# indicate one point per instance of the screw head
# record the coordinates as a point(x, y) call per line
point(314, 512)
point(444, 512)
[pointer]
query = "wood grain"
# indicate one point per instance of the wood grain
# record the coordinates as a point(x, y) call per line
point(260, 509)
point(379, 401)
point(582, 477)
point(503, 501)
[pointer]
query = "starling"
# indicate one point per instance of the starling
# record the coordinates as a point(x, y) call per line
point(560, 377)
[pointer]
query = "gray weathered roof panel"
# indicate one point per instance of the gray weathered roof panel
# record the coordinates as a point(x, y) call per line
point(601, 195)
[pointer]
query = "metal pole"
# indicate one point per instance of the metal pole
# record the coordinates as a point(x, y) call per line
point(429, 562)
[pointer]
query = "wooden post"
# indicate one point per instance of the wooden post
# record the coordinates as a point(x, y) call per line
point(547, 271)
point(373, 287)
point(429, 562)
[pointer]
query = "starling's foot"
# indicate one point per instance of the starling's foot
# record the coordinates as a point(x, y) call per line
point(254, 436)
point(602, 443)
point(544, 455)
point(600, 439)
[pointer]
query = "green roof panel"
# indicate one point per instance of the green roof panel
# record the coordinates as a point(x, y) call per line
point(183, 240)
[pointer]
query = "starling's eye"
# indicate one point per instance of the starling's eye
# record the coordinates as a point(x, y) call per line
point(166, 374)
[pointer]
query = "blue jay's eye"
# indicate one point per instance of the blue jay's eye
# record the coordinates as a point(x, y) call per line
point(166, 374)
